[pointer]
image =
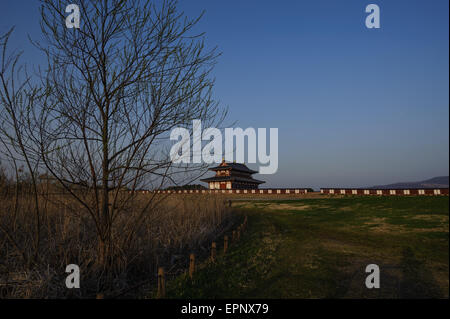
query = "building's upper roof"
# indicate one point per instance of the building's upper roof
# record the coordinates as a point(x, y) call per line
point(233, 166)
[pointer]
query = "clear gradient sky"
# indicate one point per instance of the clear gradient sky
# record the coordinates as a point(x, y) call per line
point(354, 106)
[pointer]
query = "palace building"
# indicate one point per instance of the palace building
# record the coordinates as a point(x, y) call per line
point(232, 176)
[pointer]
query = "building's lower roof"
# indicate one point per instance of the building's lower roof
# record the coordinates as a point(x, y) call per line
point(232, 179)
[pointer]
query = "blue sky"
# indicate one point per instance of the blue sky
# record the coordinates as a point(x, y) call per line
point(354, 106)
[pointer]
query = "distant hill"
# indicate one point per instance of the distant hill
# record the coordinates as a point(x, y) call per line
point(435, 182)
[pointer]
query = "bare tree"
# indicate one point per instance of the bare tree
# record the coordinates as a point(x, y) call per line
point(113, 90)
point(106, 102)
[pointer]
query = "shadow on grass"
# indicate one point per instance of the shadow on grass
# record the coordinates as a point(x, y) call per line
point(417, 281)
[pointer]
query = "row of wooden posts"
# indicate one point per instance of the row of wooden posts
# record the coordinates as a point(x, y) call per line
point(236, 235)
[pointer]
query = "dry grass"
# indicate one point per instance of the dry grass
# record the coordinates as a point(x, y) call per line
point(322, 251)
point(381, 225)
point(173, 227)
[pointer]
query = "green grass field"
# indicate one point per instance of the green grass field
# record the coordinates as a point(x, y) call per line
point(319, 248)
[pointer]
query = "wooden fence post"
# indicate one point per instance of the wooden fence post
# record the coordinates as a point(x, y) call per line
point(225, 244)
point(213, 252)
point(161, 283)
point(191, 265)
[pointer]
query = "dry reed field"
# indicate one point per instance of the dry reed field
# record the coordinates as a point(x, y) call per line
point(172, 227)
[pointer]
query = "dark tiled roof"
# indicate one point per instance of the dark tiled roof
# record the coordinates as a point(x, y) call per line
point(234, 166)
point(232, 179)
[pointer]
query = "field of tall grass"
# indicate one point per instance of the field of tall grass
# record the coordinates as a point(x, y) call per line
point(173, 227)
